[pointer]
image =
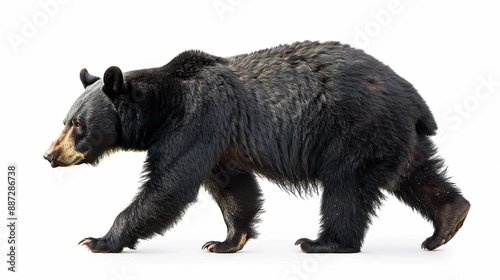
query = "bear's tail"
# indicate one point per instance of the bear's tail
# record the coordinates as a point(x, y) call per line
point(426, 124)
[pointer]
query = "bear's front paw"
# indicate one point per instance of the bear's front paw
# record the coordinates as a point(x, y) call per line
point(221, 247)
point(101, 245)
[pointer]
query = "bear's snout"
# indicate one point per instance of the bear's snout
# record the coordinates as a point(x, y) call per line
point(58, 158)
point(62, 152)
point(48, 156)
point(51, 158)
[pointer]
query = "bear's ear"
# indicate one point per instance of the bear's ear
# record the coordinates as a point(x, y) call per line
point(86, 78)
point(113, 82)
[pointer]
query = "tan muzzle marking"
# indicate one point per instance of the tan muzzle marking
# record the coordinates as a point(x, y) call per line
point(63, 148)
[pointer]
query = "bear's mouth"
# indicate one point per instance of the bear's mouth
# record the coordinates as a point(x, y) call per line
point(54, 162)
point(76, 161)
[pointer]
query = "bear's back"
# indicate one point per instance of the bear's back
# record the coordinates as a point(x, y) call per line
point(329, 79)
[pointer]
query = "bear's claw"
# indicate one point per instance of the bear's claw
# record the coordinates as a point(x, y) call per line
point(210, 245)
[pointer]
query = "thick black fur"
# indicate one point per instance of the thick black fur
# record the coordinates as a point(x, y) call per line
point(305, 115)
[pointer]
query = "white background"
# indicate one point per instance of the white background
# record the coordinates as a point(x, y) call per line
point(448, 50)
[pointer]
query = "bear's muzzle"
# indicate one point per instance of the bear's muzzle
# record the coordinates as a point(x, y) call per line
point(62, 152)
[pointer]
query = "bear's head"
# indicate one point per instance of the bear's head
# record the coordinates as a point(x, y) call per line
point(92, 126)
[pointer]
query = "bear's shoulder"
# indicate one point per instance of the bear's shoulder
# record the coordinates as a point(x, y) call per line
point(187, 64)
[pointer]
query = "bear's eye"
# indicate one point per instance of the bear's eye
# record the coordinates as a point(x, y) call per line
point(77, 126)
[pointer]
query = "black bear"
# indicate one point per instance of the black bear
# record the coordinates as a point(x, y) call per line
point(309, 116)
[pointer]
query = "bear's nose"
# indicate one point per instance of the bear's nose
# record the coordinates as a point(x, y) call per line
point(48, 156)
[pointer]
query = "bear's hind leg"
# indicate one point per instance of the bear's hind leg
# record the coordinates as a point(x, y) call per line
point(239, 198)
point(426, 189)
point(347, 204)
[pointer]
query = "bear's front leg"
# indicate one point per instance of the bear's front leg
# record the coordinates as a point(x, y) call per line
point(153, 210)
point(116, 239)
point(240, 201)
point(173, 177)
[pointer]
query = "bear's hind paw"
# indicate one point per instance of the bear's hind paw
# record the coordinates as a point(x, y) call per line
point(318, 246)
point(454, 220)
